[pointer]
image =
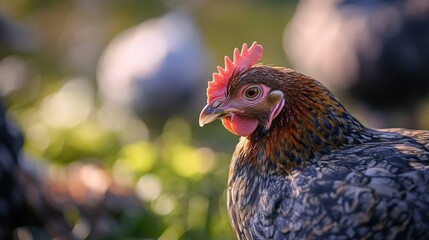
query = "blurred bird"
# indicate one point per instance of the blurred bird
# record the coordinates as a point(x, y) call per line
point(376, 51)
point(28, 199)
point(13, 37)
point(305, 168)
point(15, 208)
point(155, 68)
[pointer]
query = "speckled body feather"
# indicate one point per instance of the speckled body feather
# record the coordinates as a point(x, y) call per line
point(318, 173)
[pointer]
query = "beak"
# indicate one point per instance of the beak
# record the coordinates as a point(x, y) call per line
point(209, 114)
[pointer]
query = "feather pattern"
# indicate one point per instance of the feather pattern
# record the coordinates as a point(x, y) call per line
point(319, 173)
point(374, 190)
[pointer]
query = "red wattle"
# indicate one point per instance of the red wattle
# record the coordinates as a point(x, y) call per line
point(240, 126)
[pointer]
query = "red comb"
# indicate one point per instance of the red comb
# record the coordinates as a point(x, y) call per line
point(244, 60)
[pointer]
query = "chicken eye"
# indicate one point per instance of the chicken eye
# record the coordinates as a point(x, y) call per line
point(252, 93)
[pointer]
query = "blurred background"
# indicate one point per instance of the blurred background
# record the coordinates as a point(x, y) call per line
point(107, 96)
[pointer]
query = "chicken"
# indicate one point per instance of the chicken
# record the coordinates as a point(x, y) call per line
point(305, 168)
point(159, 57)
point(34, 205)
point(14, 211)
point(374, 51)
point(17, 208)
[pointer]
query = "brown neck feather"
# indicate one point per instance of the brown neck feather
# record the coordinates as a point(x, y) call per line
point(312, 120)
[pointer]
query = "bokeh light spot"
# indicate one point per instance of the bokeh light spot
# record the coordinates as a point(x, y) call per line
point(164, 204)
point(148, 187)
point(69, 106)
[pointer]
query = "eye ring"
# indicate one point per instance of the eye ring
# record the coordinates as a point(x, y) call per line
point(216, 103)
point(252, 93)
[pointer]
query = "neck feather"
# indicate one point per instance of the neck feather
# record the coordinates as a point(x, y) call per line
point(313, 120)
